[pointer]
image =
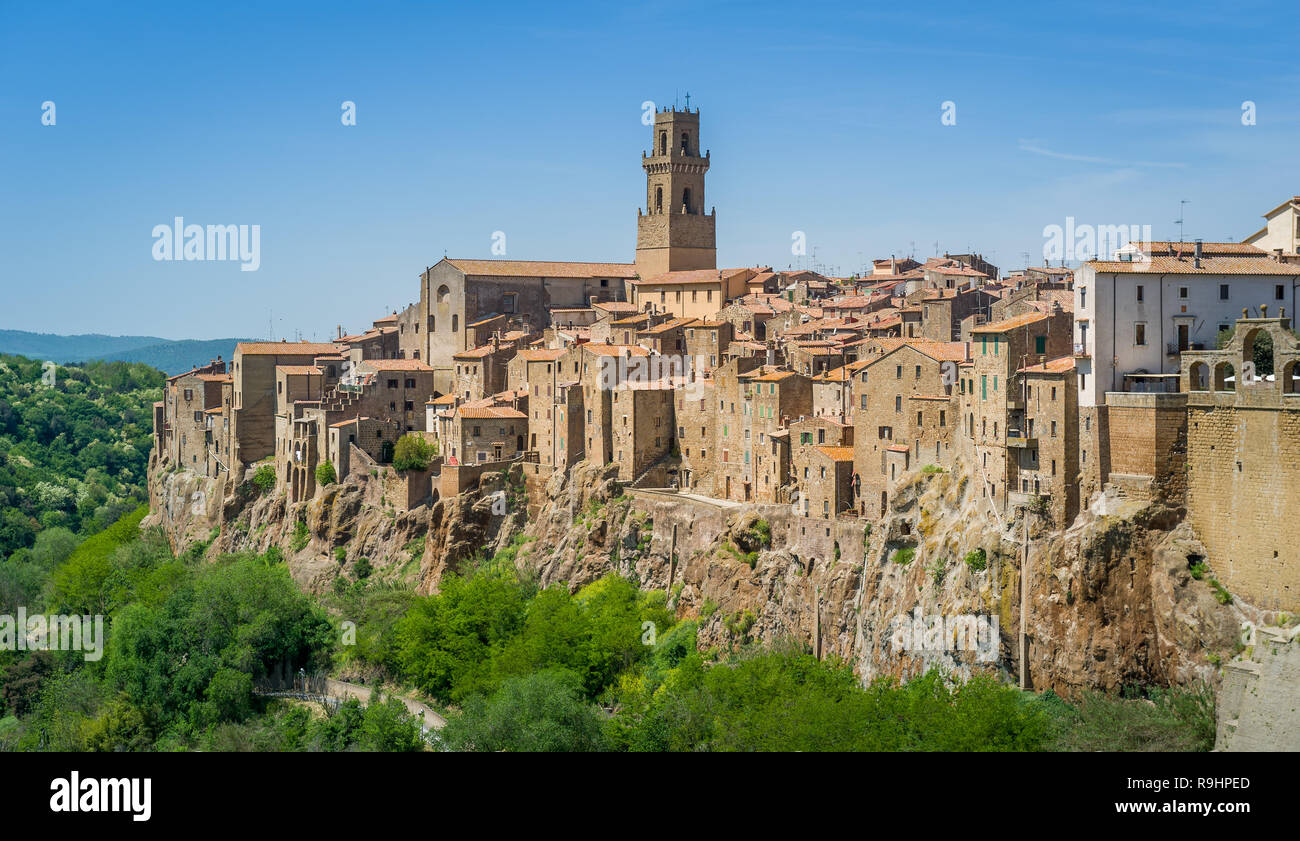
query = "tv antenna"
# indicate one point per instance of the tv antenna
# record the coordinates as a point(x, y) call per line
point(1179, 220)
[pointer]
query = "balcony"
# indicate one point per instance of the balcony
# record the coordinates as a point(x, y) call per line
point(1081, 351)
point(1172, 348)
point(1016, 439)
point(1022, 499)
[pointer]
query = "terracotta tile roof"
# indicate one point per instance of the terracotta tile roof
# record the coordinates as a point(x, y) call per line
point(489, 412)
point(630, 320)
point(773, 376)
point(542, 268)
point(956, 270)
point(938, 351)
point(542, 354)
point(445, 400)
point(689, 276)
point(843, 373)
point(836, 453)
point(898, 448)
point(298, 370)
point(1210, 266)
point(216, 378)
point(1012, 323)
point(854, 302)
point(478, 352)
point(388, 319)
point(671, 324)
point(285, 348)
point(1157, 248)
point(1060, 365)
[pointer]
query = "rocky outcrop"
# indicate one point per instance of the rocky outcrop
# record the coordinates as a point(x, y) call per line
point(327, 536)
point(1111, 601)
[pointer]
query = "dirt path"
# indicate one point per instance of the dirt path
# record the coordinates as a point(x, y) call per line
point(344, 690)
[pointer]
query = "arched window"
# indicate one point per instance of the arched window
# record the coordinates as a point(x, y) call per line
point(1198, 377)
point(1258, 348)
point(663, 142)
point(659, 199)
point(686, 143)
point(686, 199)
point(1223, 372)
point(1291, 377)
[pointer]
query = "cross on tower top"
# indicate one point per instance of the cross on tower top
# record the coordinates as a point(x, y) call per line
point(688, 100)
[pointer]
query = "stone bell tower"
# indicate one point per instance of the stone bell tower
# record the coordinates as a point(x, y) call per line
point(674, 233)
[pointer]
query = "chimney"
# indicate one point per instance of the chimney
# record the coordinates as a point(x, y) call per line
point(1196, 262)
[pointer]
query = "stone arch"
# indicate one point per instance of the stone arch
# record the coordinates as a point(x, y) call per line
point(1222, 372)
point(686, 143)
point(1257, 347)
point(663, 142)
point(1198, 377)
point(443, 304)
point(686, 199)
point(659, 199)
point(1291, 377)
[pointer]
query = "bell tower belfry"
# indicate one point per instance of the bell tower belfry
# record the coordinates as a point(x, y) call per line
point(674, 233)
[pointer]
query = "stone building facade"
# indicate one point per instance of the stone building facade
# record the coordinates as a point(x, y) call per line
point(1243, 461)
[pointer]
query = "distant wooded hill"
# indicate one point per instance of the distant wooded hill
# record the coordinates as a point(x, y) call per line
point(170, 356)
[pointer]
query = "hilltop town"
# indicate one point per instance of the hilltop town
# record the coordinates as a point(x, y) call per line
point(1163, 375)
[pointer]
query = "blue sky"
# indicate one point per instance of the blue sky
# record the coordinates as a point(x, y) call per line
point(526, 118)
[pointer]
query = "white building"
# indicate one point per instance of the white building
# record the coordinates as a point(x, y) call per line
point(1282, 233)
point(1135, 314)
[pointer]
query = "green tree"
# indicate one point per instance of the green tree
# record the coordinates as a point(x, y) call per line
point(543, 711)
point(325, 474)
point(412, 453)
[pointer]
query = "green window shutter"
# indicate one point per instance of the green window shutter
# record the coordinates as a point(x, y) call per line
point(984, 388)
point(1040, 344)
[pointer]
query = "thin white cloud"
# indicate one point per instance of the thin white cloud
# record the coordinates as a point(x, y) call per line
point(1032, 146)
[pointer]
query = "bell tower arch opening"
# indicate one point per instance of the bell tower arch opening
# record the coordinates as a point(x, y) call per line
point(677, 231)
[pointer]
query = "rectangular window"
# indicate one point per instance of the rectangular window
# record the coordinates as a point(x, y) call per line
point(1139, 334)
point(1182, 292)
point(1040, 344)
point(1140, 297)
point(1223, 291)
point(1278, 293)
